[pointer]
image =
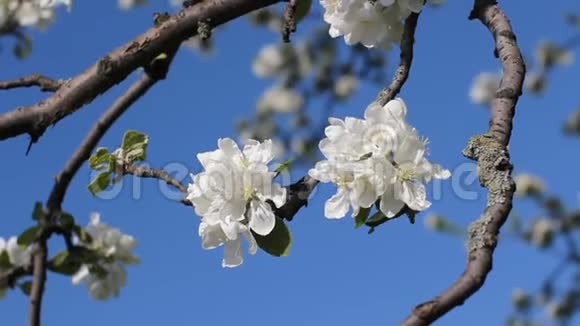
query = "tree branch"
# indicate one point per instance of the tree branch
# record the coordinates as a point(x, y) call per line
point(118, 64)
point(490, 151)
point(406, 59)
point(46, 84)
point(147, 172)
point(154, 72)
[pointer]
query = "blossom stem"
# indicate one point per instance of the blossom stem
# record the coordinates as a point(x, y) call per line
point(406, 59)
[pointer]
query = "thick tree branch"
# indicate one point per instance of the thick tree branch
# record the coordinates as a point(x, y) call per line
point(46, 84)
point(406, 59)
point(118, 64)
point(490, 151)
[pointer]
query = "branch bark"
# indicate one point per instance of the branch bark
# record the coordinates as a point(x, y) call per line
point(46, 84)
point(118, 64)
point(406, 59)
point(494, 166)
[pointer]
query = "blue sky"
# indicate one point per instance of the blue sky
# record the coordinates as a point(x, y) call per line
point(335, 275)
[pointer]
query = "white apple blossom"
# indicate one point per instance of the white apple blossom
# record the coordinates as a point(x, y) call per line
point(280, 99)
point(345, 85)
point(369, 22)
point(380, 158)
point(484, 87)
point(32, 13)
point(528, 184)
point(130, 4)
point(18, 256)
point(233, 195)
point(548, 54)
point(269, 61)
point(116, 250)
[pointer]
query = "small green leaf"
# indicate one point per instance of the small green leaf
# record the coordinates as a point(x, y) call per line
point(377, 219)
point(302, 9)
point(98, 160)
point(135, 146)
point(65, 263)
point(284, 166)
point(25, 287)
point(60, 258)
point(278, 242)
point(37, 211)
point(98, 271)
point(23, 48)
point(100, 183)
point(67, 221)
point(83, 235)
point(27, 237)
point(4, 260)
point(361, 217)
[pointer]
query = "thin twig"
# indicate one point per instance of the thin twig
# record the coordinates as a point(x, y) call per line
point(120, 63)
point(289, 20)
point(147, 172)
point(46, 84)
point(490, 151)
point(406, 59)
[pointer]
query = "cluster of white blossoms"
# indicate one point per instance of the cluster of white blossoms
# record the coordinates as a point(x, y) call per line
point(369, 22)
point(484, 87)
point(379, 158)
point(232, 196)
point(116, 249)
point(30, 13)
point(18, 256)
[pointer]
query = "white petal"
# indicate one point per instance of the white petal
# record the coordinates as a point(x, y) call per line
point(390, 205)
point(278, 195)
point(337, 206)
point(413, 194)
point(262, 219)
point(81, 275)
point(252, 245)
point(229, 147)
point(212, 236)
point(233, 253)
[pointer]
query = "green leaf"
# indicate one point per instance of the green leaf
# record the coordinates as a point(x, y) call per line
point(23, 48)
point(278, 242)
point(361, 217)
point(67, 221)
point(4, 260)
point(101, 157)
point(83, 235)
point(37, 211)
point(98, 271)
point(65, 263)
point(135, 146)
point(27, 237)
point(100, 183)
point(302, 9)
point(377, 219)
point(284, 165)
point(25, 287)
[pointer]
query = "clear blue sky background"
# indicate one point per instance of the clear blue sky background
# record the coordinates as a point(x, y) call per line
point(335, 275)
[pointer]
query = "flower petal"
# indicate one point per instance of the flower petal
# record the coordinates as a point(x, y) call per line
point(262, 219)
point(337, 206)
point(233, 253)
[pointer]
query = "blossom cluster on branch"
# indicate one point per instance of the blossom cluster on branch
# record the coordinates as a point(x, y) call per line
point(234, 194)
point(380, 159)
point(106, 276)
point(369, 22)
